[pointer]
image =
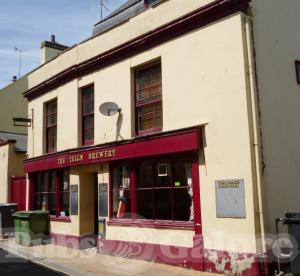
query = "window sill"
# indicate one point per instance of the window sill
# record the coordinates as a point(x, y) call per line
point(152, 224)
point(148, 131)
point(61, 219)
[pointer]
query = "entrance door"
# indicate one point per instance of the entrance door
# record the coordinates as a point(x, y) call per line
point(18, 192)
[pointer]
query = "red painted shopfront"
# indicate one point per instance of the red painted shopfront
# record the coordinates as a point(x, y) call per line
point(143, 202)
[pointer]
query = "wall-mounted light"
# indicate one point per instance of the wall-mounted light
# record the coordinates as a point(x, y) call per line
point(22, 122)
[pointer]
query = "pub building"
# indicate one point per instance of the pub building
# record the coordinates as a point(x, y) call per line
point(146, 135)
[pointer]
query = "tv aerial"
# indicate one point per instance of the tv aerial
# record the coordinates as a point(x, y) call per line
point(109, 109)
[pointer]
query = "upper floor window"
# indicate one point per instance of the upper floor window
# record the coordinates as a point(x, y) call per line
point(148, 93)
point(51, 126)
point(88, 115)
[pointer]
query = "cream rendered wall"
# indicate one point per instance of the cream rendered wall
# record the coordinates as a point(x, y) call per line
point(4, 155)
point(11, 164)
point(13, 104)
point(48, 53)
point(277, 47)
point(144, 22)
point(204, 82)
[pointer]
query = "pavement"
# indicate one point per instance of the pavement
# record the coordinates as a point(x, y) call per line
point(88, 262)
point(14, 265)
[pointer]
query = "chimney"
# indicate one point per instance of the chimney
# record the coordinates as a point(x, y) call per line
point(51, 49)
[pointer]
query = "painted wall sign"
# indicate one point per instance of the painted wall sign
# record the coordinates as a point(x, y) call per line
point(103, 200)
point(74, 200)
point(230, 198)
point(157, 144)
point(85, 157)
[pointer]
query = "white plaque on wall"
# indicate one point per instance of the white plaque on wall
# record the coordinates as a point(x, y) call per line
point(230, 198)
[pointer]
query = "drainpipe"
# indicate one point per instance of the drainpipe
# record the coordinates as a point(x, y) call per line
point(256, 125)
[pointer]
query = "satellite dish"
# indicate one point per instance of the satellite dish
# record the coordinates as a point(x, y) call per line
point(109, 109)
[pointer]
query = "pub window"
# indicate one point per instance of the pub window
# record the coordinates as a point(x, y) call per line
point(51, 192)
point(148, 98)
point(87, 115)
point(51, 126)
point(162, 190)
point(121, 192)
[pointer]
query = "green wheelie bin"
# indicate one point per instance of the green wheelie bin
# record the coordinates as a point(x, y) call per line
point(31, 227)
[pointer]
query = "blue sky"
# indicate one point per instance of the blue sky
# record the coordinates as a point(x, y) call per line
point(26, 23)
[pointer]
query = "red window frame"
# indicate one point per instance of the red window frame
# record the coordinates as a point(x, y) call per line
point(153, 103)
point(35, 192)
point(135, 221)
point(87, 98)
point(51, 127)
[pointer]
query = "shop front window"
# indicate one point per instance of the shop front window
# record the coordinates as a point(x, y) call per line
point(162, 190)
point(121, 192)
point(51, 192)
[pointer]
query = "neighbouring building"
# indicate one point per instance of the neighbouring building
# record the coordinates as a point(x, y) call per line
point(13, 143)
point(204, 153)
point(13, 133)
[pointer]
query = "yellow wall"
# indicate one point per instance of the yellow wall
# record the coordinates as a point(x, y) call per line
point(277, 47)
point(210, 88)
point(204, 79)
point(144, 22)
point(11, 164)
point(13, 104)
point(4, 152)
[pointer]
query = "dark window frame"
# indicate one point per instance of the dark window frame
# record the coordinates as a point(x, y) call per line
point(58, 192)
point(135, 221)
point(88, 115)
point(155, 102)
point(51, 127)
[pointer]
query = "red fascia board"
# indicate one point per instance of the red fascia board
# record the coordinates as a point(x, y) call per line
point(196, 19)
point(143, 147)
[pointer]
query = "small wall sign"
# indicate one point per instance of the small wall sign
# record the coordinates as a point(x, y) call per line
point(74, 200)
point(230, 198)
point(103, 199)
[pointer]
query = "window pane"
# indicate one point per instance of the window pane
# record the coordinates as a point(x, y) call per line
point(45, 202)
point(38, 183)
point(45, 183)
point(163, 200)
point(163, 177)
point(65, 203)
point(52, 203)
point(88, 107)
point(51, 113)
point(51, 119)
point(183, 204)
point(149, 97)
point(121, 177)
point(37, 202)
point(52, 182)
point(64, 187)
point(150, 116)
point(182, 173)
point(51, 138)
point(145, 175)
point(88, 122)
point(121, 204)
point(145, 204)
